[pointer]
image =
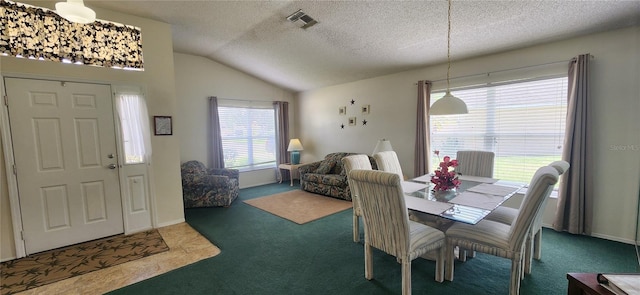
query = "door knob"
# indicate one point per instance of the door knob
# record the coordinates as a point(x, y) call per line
point(112, 166)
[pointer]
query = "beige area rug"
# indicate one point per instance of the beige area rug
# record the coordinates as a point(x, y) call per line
point(299, 206)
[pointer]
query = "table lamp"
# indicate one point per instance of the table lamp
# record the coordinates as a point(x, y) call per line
point(295, 146)
point(383, 145)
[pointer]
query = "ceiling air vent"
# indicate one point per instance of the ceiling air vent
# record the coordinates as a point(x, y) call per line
point(301, 19)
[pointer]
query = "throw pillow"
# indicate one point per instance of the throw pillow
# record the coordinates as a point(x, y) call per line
point(325, 167)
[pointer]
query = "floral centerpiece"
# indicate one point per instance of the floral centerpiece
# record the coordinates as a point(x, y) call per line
point(445, 177)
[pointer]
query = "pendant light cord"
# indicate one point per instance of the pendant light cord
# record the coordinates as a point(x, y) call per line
point(448, 44)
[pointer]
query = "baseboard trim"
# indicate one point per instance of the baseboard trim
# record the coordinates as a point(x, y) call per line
point(602, 236)
point(172, 222)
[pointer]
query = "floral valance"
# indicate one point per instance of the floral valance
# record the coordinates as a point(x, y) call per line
point(39, 33)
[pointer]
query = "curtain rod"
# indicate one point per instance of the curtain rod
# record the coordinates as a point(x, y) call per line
point(505, 70)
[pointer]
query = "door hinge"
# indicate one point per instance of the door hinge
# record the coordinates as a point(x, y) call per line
point(22, 235)
point(6, 100)
point(15, 170)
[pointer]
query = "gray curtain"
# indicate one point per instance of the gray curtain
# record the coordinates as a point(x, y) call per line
point(423, 129)
point(575, 200)
point(282, 134)
point(216, 159)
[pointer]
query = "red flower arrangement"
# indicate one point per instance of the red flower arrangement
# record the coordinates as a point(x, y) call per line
point(445, 177)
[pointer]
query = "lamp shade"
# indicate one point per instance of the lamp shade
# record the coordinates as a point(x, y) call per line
point(75, 11)
point(295, 145)
point(383, 145)
point(448, 105)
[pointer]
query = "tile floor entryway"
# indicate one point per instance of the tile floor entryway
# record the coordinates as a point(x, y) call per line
point(186, 246)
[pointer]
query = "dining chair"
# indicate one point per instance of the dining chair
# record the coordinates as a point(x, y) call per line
point(507, 215)
point(388, 161)
point(387, 226)
point(475, 163)
point(501, 239)
point(351, 163)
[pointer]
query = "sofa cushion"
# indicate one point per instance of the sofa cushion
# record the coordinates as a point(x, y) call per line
point(325, 167)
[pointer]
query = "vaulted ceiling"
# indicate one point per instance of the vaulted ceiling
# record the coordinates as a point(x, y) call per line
point(355, 40)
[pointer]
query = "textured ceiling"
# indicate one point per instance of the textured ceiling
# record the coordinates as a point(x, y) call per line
point(354, 40)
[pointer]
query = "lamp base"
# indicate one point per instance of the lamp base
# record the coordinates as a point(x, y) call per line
point(295, 157)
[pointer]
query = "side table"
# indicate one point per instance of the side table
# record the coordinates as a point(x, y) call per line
point(585, 283)
point(293, 169)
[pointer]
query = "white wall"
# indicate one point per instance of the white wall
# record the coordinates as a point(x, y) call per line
point(198, 78)
point(157, 78)
point(615, 92)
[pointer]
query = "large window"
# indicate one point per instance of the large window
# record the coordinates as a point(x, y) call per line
point(248, 136)
point(523, 123)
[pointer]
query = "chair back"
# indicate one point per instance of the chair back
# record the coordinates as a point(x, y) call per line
point(475, 163)
point(388, 162)
point(539, 189)
point(561, 167)
point(385, 215)
point(354, 162)
point(193, 166)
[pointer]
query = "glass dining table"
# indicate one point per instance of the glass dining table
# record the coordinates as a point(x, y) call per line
point(474, 199)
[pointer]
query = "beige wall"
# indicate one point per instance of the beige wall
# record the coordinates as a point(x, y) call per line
point(198, 78)
point(616, 104)
point(157, 79)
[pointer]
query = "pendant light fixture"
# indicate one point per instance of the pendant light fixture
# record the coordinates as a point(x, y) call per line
point(448, 104)
point(75, 11)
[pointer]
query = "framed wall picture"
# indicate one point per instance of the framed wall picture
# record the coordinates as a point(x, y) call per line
point(352, 121)
point(365, 109)
point(162, 125)
point(342, 110)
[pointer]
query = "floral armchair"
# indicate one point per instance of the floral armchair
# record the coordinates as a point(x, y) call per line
point(202, 187)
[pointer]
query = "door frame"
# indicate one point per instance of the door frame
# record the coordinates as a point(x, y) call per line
point(12, 180)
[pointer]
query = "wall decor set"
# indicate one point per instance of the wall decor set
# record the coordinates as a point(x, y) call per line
point(352, 120)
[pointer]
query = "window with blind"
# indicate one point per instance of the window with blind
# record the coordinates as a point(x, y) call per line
point(523, 123)
point(248, 136)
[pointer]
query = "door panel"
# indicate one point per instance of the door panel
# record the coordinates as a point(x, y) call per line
point(63, 134)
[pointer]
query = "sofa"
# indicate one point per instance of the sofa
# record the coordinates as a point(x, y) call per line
point(327, 177)
point(202, 187)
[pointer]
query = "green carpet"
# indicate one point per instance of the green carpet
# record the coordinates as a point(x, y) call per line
point(265, 254)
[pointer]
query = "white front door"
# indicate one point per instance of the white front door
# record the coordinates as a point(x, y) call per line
point(65, 152)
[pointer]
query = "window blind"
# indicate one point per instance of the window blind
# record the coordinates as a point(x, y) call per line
point(248, 135)
point(522, 122)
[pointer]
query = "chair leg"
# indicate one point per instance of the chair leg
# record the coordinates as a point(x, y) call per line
point(537, 244)
point(440, 262)
point(406, 277)
point(449, 262)
point(368, 261)
point(356, 227)
point(527, 254)
point(462, 254)
point(514, 284)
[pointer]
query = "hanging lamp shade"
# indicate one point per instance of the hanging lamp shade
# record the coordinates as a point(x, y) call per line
point(75, 11)
point(448, 105)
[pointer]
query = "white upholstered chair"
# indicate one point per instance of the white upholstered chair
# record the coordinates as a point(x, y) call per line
point(507, 215)
point(351, 163)
point(388, 162)
point(501, 239)
point(475, 163)
point(387, 226)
